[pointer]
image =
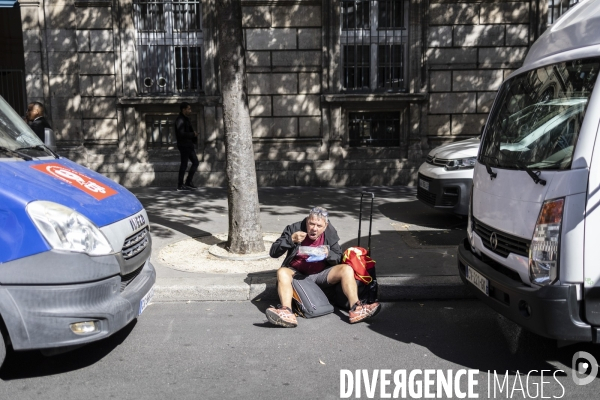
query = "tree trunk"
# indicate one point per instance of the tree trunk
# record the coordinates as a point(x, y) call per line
point(245, 232)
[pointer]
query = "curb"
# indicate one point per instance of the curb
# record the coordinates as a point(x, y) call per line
point(264, 288)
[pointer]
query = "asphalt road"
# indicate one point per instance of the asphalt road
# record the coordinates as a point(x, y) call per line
point(227, 350)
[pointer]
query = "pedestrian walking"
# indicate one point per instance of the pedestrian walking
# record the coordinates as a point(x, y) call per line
point(186, 136)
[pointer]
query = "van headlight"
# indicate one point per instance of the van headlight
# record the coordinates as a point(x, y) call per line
point(544, 257)
point(461, 163)
point(66, 229)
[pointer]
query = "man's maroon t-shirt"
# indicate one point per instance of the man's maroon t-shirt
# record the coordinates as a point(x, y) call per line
point(308, 268)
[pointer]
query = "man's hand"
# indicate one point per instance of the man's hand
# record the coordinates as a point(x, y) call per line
point(298, 237)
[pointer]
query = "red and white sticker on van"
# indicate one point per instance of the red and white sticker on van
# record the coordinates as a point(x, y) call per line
point(97, 190)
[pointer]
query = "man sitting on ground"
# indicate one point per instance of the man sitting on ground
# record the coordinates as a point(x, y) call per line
point(313, 231)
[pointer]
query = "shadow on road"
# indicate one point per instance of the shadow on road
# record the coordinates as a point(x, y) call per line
point(31, 364)
point(479, 339)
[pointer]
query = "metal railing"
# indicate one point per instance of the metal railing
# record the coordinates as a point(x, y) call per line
point(169, 45)
point(12, 89)
point(374, 42)
point(556, 8)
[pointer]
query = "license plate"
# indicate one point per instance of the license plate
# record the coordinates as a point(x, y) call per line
point(478, 280)
point(424, 184)
point(146, 300)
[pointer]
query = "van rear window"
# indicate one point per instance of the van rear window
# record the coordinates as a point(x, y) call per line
point(537, 117)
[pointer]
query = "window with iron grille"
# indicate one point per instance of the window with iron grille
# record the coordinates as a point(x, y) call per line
point(160, 131)
point(556, 8)
point(170, 46)
point(375, 129)
point(374, 44)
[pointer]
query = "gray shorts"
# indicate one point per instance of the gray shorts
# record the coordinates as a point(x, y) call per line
point(319, 278)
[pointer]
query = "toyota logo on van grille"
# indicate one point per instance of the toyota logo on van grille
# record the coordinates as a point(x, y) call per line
point(493, 240)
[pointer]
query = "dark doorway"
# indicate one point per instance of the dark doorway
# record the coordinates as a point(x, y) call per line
point(12, 62)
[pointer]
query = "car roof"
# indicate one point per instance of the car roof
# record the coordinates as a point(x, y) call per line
point(573, 36)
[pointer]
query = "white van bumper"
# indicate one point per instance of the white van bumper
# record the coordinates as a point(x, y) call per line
point(551, 311)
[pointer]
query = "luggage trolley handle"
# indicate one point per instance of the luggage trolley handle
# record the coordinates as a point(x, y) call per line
point(370, 219)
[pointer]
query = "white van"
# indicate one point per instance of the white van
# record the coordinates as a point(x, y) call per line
point(534, 221)
point(446, 176)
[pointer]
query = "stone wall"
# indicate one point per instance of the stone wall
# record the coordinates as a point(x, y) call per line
point(81, 61)
point(472, 46)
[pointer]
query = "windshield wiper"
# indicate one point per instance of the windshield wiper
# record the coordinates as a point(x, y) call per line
point(488, 168)
point(40, 148)
point(15, 153)
point(534, 175)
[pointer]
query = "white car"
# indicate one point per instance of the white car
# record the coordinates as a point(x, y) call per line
point(446, 177)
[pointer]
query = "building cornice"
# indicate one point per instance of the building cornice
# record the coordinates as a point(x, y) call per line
point(93, 3)
point(375, 97)
point(150, 100)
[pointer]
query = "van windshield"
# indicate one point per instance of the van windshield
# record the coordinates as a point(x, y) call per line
point(537, 116)
point(14, 132)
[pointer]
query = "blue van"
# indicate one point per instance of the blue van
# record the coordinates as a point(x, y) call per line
point(74, 247)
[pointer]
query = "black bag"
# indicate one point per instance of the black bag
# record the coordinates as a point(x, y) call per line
point(309, 299)
point(367, 293)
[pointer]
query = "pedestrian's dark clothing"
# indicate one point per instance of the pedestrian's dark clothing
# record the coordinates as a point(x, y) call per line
point(185, 135)
point(184, 132)
point(38, 126)
point(186, 154)
point(285, 243)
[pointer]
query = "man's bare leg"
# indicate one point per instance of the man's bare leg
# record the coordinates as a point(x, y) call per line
point(284, 286)
point(345, 274)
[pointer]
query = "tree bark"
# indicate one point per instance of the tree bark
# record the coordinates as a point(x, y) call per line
point(245, 232)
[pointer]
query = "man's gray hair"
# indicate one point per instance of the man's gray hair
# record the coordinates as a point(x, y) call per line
point(319, 212)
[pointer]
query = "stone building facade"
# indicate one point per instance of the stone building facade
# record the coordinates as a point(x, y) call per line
point(340, 92)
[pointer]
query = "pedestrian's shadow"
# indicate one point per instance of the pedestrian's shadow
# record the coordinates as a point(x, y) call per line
point(31, 364)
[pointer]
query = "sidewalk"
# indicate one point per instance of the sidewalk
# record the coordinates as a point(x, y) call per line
point(414, 245)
